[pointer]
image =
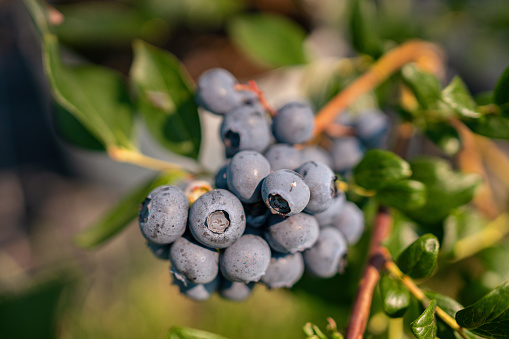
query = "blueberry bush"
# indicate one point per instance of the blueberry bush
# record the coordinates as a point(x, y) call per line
point(324, 192)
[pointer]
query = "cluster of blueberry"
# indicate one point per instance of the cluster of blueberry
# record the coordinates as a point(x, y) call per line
point(272, 216)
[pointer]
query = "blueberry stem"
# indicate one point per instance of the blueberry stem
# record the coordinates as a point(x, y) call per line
point(252, 86)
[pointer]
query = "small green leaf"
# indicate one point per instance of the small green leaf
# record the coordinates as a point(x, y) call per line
point(501, 92)
point(457, 97)
point(395, 296)
point(420, 258)
point(120, 215)
point(445, 137)
point(425, 327)
point(489, 316)
point(269, 39)
point(362, 30)
point(179, 332)
point(491, 126)
point(165, 99)
point(403, 194)
point(380, 167)
point(39, 12)
point(425, 86)
point(95, 95)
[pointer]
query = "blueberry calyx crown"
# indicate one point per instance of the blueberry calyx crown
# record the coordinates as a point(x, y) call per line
point(218, 221)
point(278, 205)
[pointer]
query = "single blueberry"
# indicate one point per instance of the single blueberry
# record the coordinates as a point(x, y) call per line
point(315, 153)
point(326, 257)
point(235, 291)
point(283, 156)
point(346, 153)
point(217, 219)
point(284, 270)
point(220, 179)
point(244, 175)
point(293, 123)
point(193, 262)
point(327, 217)
point(372, 127)
point(198, 292)
point(322, 185)
point(285, 192)
point(215, 91)
point(163, 215)
point(350, 222)
point(246, 260)
point(292, 234)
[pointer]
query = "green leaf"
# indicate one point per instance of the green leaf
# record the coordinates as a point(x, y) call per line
point(165, 99)
point(425, 86)
point(124, 212)
point(395, 296)
point(491, 126)
point(420, 258)
point(489, 316)
point(403, 194)
point(39, 12)
point(445, 189)
point(445, 137)
point(501, 92)
point(179, 332)
point(425, 327)
point(95, 95)
point(269, 39)
point(457, 97)
point(363, 33)
point(378, 168)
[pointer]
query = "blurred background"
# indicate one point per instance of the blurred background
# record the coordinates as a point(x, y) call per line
point(50, 189)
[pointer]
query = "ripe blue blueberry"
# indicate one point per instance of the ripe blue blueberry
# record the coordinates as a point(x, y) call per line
point(198, 292)
point(244, 175)
point(217, 219)
point(285, 192)
point(293, 123)
point(322, 185)
point(256, 214)
point(292, 234)
point(326, 218)
point(283, 156)
point(350, 222)
point(160, 251)
point(193, 262)
point(372, 128)
point(315, 153)
point(235, 291)
point(245, 128)
point(246, 260)
point(325, 258)
point(163, 215)
point(284, 270)
point(215, 91)
point(346, 153)
point(220, 179)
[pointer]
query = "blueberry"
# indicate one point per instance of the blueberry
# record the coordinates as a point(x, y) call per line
point(246, 260)
point(198, 292)
point(324, 259)
point(326, 218)
point(315, 153)
point(322, 185)
point(292, 234)
point(235, 291)
point(163, 215)
point(244, 175)
point(283, 156)
point(346, 153)
point(217, 219)
point(284, 270)
point(372, 128)
point(256, 214)
point(293, 123)
point(285, 192)
point(350, 222)
point(160, 251)
point(245, 128)
point(193, 262)
point(220, 179)
point(216, 93)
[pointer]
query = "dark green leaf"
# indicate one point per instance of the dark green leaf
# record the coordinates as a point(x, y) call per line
point(457, 97)
point(425, 327)
point(380, 167)
point(363, 33)
point(178, 332)
point(395, 296)
point(269, 39)
point(501, 92)
point(420, 258)
point(445, 137)
point(165, 99)
point(489, 316)
point(404, 232)
point(445, 188)
point(425, 86)
point(95, 95)
point(403, 194)
point(491, 126)
point(120, 215)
